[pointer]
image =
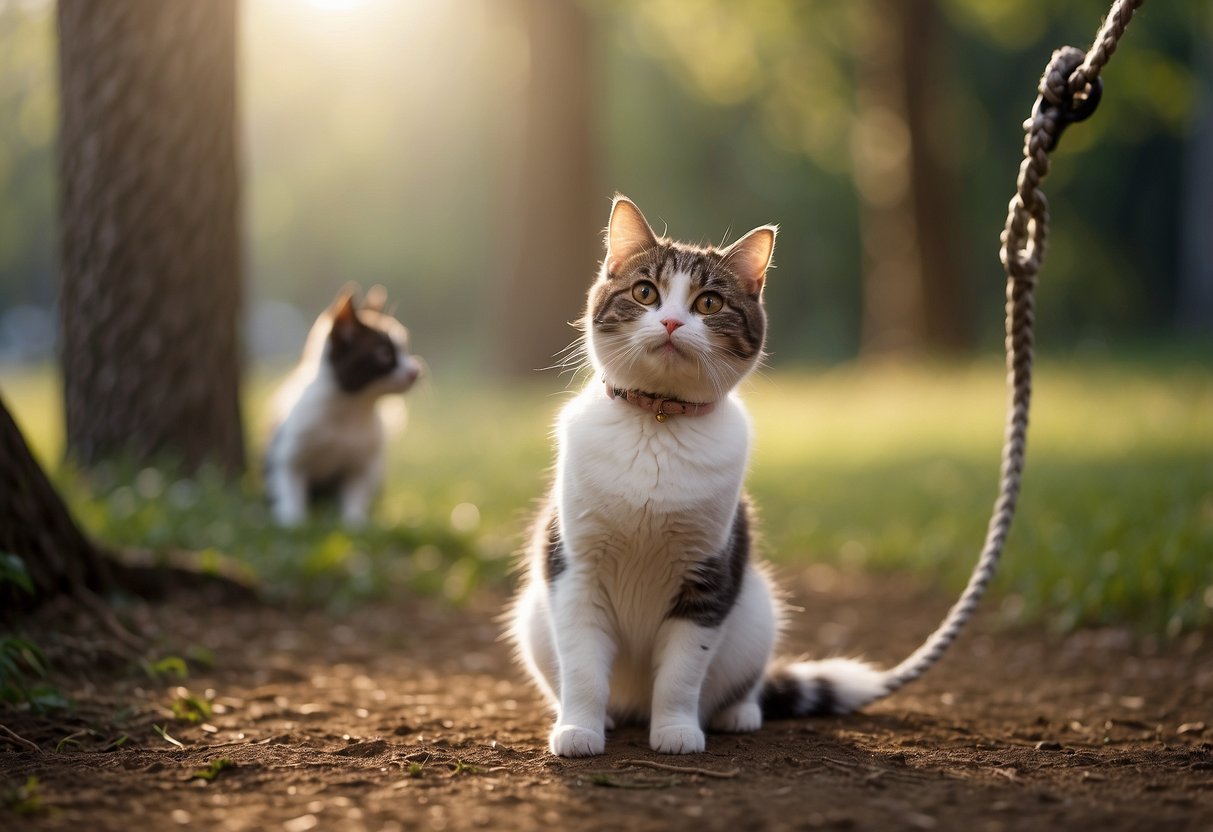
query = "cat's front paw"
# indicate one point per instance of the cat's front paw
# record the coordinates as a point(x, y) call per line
point(575, 741)
point(677, 739)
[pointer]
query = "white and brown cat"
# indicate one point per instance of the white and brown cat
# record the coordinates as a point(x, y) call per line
point(329, 437)
point(642, 601)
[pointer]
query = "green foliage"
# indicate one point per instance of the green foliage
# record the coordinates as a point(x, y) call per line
point(882, 468)
point(165, 668)
point(190, 708)
point(13, 571)
point(213, 769)
point(713, 114)
point(23, 673)
point(769, 91)
point(162, 732)
point(898, 470)
point(24, 799)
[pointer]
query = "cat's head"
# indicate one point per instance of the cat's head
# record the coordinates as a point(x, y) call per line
point(673, 319)
point(367, 349)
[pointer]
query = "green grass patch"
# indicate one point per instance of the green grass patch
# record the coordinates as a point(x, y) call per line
point(23, 676)
point(213, 769)
point(24, 799)
point(188, 707)
point(892, 468)
point(898, 469)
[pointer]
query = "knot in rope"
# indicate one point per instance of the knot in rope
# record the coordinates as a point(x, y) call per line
point(1069, 92)
point(1066, 94)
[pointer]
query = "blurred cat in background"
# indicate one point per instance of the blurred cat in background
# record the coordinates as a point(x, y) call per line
point(329, 434)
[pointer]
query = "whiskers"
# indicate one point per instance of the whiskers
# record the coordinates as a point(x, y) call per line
point(621, 353)
point(571, 359)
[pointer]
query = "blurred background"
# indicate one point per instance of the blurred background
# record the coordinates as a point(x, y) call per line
point(433, 146)
point(464, 153)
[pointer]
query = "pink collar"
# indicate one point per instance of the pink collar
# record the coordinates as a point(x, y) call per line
point(663, 408)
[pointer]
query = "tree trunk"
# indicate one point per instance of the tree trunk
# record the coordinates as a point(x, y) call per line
point(36, 526)
point(914, 298)
point(151, 253)
point(1194, 311)
point(552, 224)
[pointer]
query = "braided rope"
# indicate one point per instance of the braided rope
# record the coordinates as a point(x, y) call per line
point(1067, 84)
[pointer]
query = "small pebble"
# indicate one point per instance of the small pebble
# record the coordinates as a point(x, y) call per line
point(1048, 745)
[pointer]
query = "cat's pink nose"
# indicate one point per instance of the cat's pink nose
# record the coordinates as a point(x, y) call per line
point(671, 324)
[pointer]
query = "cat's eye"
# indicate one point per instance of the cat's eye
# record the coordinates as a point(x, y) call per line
point(709, 303)
point(644, 293)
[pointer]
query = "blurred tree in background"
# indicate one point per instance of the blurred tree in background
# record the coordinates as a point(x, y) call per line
point(902, 100)
point(549, 230)
point(389, 142)
point(151, 260)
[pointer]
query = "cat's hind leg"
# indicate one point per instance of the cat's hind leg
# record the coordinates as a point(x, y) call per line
point(531, 631)
point(740, 717)
point(733, 686)
point(289, 495)
point(358, 493)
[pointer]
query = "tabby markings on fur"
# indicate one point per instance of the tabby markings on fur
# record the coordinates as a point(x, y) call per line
point(642, 600)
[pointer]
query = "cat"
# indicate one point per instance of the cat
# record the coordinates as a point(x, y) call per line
point(330, 435)
point(641, 600)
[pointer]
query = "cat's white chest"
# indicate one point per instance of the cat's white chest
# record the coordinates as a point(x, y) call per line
point(328, 439)
point(641, 500)
point(640, 503)
point(614, 456)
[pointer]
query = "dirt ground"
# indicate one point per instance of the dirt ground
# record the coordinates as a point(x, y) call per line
point(412, 716)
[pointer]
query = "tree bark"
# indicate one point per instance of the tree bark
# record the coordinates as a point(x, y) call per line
point(37, 527)
point(150, 246)
point(553, 221)
point(914, 297)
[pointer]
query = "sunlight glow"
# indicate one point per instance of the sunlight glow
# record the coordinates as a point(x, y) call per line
point(336, 5)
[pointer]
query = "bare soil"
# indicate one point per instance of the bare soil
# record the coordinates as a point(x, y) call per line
point(412, 716)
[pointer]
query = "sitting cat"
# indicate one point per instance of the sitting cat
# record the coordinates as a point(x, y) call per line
point(642, 601)
point(330, 436)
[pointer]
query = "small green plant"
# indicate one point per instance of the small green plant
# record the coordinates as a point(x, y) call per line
point(169, 667)
point(23, 670)
point(214, 769)
point(190, 708)
point(73, 739)
point(465, 768)
point(23, 799)
point(164, 735)
point(117, 742)
point(200, 656)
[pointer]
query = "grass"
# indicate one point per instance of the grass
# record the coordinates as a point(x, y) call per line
point(23, 799)
point(891, 468)
point(213, 769)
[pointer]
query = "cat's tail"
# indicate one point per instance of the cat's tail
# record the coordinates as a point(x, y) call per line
point(829, 686)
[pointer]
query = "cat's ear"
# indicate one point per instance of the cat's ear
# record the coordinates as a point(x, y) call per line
point(376, 298)
point(345, 315)
point(750, 257)
point(628, 233)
